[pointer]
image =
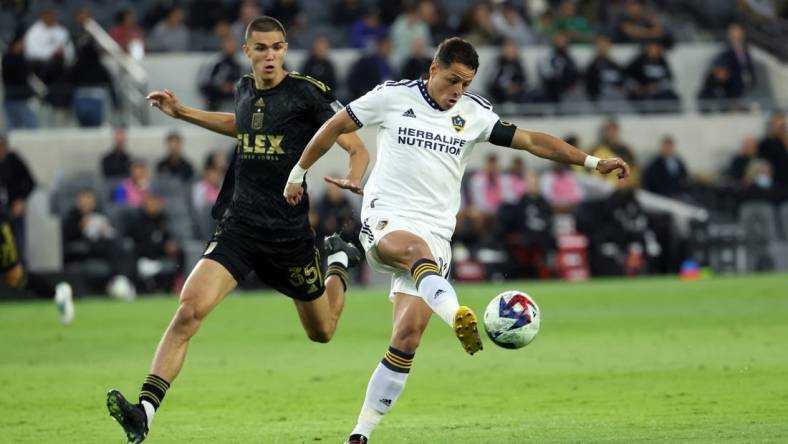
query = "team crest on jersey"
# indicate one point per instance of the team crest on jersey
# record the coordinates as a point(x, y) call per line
point(381, 225)
point(458, 123)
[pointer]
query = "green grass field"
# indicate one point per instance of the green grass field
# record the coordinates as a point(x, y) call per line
point(625, 361)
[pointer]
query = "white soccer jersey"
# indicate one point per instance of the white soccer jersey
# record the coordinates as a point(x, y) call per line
point(422, 151)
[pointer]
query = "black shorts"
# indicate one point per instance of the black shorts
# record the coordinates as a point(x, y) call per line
point(9, 256)
point(290, 267)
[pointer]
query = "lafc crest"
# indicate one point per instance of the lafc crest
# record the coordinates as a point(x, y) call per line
point(257, 116)
point(458, 123)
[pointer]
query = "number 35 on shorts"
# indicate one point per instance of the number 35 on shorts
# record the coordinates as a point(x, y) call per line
point(306, 275)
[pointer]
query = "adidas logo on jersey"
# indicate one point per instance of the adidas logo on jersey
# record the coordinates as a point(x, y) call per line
point(385, 401)
point(409, 113)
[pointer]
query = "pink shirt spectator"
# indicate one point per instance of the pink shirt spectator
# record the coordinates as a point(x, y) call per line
point(560, 188)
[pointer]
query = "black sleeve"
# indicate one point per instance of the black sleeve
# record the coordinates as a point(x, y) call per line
point(502, 133)
point(322, 100)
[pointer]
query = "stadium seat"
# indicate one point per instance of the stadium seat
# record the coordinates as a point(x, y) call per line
point(66, 189)
point(783, 213)
point(759, 222)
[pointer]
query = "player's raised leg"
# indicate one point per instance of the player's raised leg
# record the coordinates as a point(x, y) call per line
point(206, 286)
point(411, 316)
point(407, 251)
point(320, 316)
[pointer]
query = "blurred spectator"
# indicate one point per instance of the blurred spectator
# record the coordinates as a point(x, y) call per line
point(171, 33)
point(640, 26)
point(117, 162)
point(370, 70)
point(575, 26)
point(651, 80)
point(412, 24)
point(217, 79)
point(345, 12)
point(666, 174)
point(527, 228)
point(389, 10)
point(173, 164)
point(759, 184)
point(558, 72)
point(515, 180)
point(49, 51)
point(559, 186)
point(774, 148)
point(288, 12)
point(19, 183)
point(477, 27)
point(604, 77)
point(16, 87)
point(719, 92)
point(486, 188)
point(739, 163)
point(418, 63)
point(133, 190)
point(336, 214)
point(319, 64)
point(128, 34)
point(367, 31)
point(611, 145)
point(158, 252)
point(248, 10)
point(509, 24)
point(509, 83)
point(206, 190)
point(737, 59)
point(88, 234)
point(93, 86)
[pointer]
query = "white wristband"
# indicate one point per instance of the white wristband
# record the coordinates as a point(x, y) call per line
point(296, 174)
point(591, 162)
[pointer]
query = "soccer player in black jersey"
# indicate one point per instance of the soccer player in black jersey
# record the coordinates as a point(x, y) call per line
point(276, 113)
point(14, 275)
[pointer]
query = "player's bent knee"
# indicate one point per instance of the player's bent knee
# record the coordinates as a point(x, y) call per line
point(187, 319)
point(322, 334)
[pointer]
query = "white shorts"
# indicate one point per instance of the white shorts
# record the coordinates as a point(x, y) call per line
point(375, 226)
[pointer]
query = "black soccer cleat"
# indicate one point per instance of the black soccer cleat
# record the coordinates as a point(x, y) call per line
point(356, 439)
point(335, 243)
point(130, 416)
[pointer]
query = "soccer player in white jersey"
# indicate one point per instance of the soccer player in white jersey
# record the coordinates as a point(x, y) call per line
point(427, 131)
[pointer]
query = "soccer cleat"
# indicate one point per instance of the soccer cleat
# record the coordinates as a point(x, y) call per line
point(356, 439)
point(64, 300)
point(335, 244)
point(130, 416)
point(466, 331)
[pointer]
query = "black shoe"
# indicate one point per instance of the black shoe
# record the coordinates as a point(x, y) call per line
point(130, 416)
point(335, 244)
point(356, 439)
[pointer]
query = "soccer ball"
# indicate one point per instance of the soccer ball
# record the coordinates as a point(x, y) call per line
point(512, 319)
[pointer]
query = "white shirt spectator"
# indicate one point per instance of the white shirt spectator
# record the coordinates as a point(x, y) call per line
point(42, 42)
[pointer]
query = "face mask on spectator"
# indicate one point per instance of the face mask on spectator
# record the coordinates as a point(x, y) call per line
point(763, 181)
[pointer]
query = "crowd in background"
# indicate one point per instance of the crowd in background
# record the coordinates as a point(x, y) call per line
point(393, 39)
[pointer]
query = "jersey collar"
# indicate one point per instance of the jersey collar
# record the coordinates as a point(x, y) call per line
point(427, 98)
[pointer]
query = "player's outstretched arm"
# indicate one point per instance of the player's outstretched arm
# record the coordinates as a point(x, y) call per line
point(168, 103)
point(321, 142)
point(553, 148)
point(359, 160)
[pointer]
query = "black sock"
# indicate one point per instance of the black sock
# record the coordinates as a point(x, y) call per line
point(153, 390)
point(339, 271)
point(38, 285)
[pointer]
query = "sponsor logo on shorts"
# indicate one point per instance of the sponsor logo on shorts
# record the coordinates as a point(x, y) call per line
point(381, 225)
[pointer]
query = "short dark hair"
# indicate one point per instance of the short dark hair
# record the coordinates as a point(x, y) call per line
point(264, 24)
point(455, 49)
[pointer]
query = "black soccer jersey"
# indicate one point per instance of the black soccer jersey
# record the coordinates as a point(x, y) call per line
point(274, 126)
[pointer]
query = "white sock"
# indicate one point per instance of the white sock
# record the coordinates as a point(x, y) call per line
point(438, 293)
point(149, 411)
point(383, 389)
point(340, 257)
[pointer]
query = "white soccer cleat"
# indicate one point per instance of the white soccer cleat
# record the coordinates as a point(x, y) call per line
point(64, 299)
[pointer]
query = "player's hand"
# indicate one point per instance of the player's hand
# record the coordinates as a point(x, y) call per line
point(346, 184)
point(293, 193)
point(606, 166)
point(165, 101)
